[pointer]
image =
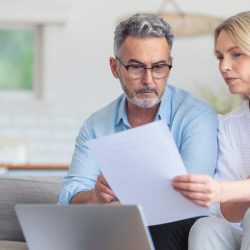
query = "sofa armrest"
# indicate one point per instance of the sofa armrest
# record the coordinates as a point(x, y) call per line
point(16, 190)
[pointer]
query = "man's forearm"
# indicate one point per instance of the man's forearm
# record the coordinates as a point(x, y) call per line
point(84, 197)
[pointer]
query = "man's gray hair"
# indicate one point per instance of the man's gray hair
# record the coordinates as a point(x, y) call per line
point(142, 25)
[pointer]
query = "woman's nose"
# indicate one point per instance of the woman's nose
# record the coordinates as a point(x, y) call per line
point(225, 65)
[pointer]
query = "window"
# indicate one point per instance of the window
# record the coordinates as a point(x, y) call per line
point(17, 52)
point(20, 62)
point(21, 46)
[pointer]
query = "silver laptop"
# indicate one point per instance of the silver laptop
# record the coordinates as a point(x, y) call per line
point(83, 227)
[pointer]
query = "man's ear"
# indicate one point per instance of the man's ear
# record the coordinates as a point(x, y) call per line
point(114, 67)
point(170, 60)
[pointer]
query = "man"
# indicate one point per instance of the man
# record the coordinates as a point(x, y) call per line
point(142, 63)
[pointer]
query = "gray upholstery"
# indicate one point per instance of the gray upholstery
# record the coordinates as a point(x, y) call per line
point(13, 245)
point(16, 190)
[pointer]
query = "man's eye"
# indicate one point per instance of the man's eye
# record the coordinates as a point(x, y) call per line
point(159, 66)
point(135, 66)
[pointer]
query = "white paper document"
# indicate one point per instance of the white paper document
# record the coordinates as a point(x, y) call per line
point(139, 165)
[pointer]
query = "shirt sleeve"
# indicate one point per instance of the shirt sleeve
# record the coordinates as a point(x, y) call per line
point(83, 170)
point(228, 157)
point(199, 146)
point(227, 161)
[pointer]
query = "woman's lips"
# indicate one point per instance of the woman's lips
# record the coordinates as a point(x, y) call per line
point(230, 80)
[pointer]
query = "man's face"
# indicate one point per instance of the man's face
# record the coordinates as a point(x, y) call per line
point(147, 90)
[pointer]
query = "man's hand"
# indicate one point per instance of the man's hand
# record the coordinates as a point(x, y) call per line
point(102, 192)
point(202, 190)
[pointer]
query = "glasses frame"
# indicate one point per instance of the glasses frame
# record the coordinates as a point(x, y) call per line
point(126, 66)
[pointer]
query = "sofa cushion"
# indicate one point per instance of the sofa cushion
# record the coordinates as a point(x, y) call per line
point(13, 245)
point(16, 190)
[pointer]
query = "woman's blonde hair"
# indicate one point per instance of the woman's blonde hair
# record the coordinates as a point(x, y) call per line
point(238, 27)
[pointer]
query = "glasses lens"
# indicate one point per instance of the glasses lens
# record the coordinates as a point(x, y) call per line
point(160, 71)
point(136, 71)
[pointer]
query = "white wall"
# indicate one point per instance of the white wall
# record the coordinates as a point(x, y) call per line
point(78, 77)
point(78, 80)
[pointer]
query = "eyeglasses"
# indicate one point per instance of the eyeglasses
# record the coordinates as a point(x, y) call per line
point(137, 71)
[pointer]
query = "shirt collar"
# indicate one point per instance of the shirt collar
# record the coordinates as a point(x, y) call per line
point(121, 112)
point(164, 111)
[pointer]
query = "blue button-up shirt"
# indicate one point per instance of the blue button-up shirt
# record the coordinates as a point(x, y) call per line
point(192, 123)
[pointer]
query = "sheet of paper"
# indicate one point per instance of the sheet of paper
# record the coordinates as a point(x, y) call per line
point(139, 164)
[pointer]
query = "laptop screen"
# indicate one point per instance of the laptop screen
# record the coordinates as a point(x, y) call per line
point(84, 227)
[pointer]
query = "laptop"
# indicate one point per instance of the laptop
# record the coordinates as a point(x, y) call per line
point(84, 227)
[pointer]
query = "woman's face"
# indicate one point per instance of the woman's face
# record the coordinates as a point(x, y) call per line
point(234, 64)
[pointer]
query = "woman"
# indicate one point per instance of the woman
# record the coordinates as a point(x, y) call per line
point(232, 196)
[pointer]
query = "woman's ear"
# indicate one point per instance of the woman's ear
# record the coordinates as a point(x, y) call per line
point(114, 67)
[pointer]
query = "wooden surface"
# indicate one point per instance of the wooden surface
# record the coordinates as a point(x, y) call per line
point(35, 166)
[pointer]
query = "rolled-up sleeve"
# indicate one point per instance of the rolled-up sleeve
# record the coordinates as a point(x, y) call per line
point(83, 170)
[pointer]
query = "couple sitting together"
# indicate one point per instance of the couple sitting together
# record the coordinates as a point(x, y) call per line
point(216, 153)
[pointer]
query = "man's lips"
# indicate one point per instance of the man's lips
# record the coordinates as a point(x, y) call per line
point(146, 91)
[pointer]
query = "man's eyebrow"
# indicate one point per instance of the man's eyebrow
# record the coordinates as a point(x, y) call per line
point(135, 61)
point(160, 62)
point(138, 62)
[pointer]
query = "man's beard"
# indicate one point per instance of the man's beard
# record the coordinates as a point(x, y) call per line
point(143, 102)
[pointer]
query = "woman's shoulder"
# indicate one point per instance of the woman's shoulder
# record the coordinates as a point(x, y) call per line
point(235, 118)
point(240, 111)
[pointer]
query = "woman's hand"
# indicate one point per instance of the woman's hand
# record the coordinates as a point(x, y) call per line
point(202, 190)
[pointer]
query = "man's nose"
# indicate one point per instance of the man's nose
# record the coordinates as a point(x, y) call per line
point(148, 76)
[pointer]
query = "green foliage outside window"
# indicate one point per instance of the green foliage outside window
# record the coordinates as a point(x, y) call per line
point(16, 59)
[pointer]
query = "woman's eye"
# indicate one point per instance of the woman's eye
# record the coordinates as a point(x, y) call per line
point(219, 58)
point(236, 55)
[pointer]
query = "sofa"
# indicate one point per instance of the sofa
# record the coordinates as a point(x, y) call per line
point(22, 189)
